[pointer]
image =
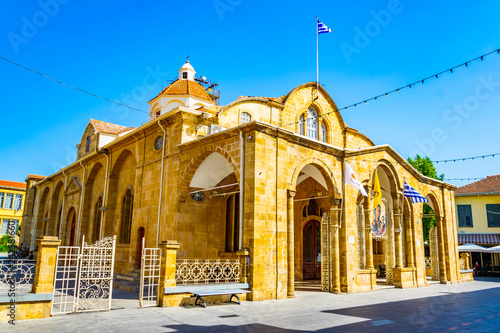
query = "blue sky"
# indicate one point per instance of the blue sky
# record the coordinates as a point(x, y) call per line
point(126, 51)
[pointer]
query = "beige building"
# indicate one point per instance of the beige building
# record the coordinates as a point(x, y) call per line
point(259, 174)
point(478, 211)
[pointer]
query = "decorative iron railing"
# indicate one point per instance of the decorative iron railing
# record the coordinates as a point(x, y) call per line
point(195, 271)
point(16, 275)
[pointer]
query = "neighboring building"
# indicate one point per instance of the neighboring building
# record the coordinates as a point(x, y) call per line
point(12, 196)
point(478, 212)
point(261, 174)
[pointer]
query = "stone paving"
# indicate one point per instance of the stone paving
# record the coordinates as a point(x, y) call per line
point(466, 307)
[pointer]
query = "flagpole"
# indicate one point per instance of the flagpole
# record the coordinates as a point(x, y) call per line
point(317, 56)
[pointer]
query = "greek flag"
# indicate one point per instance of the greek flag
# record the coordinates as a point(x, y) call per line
point(414, 195)
point(323, 29)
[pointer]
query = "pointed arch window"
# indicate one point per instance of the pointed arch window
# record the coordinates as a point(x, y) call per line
point(97, 220)
point(301, 125)
point(245, 118)
point(126, 220)
point(232, 223)
point(87, 148)
point(323, 131)
point(312, 124)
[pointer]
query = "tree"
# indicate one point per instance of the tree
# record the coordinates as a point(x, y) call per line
point(425, 166)
point(6, 242)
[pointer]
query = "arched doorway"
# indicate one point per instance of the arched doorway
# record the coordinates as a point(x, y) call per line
point(138, 255)
point(72, 225)
point(312, 250)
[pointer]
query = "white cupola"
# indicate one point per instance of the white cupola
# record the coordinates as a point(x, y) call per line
point(187, 72)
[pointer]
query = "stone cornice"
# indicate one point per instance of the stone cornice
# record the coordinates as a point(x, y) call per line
point(394, 154)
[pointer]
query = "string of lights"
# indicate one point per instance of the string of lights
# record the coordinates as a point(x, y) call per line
point(463, 178)
point(465, 158)
point(72, 87)
point(410, 85)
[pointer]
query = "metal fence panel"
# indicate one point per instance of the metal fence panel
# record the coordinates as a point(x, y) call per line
point(150, 276)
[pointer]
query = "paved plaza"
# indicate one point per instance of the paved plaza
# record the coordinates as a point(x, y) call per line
point(466, 307)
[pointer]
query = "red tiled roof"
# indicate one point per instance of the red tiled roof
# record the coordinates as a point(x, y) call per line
point(36, 176)
point(186, 87)
point(8, 183)
point(104, 127)
point(484, 239)
point(490, 184)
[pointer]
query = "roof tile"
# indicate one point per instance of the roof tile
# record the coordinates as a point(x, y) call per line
point(104, 127)
point(490, 184)
point(186, 87)
point(8, 183)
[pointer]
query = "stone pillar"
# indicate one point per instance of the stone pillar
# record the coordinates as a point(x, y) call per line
point(442, 266)
point(320, 134)
point(397, 232)
point(368, 232)
point(334, 215)
point(304, 127)
point(291, 246)
point(409, 244)
point(465, 258)
point(242, 257)
point(168, 259)
point(45, 264)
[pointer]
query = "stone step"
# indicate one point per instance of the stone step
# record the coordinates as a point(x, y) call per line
point(136, 274)
point(127, 278)
point(126, 286)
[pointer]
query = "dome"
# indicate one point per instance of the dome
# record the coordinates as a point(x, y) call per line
point(187, 66)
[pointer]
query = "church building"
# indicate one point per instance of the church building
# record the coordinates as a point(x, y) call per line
point(263, 175)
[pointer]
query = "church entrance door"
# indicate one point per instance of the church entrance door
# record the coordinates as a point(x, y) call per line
point(312, 251)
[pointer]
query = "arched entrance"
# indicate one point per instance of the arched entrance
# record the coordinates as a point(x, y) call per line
point(312, 250)
point(138, 255)
point(72, 226)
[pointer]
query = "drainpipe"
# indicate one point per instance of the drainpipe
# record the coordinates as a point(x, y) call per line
point(276, 203)
point(104, 194)
point(62, 206)
point(82, 193)
point(161, 184)
point(242, 189)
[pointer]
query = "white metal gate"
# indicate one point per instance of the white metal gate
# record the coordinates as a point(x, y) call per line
point(150, 276)
point(65, 279)
point(83, 279)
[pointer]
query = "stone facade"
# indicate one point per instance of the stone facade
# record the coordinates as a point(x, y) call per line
point(264, 188)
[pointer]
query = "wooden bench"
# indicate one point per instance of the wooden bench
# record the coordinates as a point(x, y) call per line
point(233, 292)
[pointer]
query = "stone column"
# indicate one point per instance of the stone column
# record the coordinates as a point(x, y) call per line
point(320, 134)
point(409, 243)
point(168, 259)
point(291, 246)
point(368, 232)
point(304, 127)
point(334, 216)
point(243, 254)
point(442, 266)
point(465, 258)
point(397, 232)
point(45, 264)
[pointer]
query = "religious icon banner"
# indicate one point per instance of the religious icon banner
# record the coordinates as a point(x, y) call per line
point(379, 222)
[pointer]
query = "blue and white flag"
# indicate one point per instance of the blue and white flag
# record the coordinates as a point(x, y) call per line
point(323, 29)
point(413, 194)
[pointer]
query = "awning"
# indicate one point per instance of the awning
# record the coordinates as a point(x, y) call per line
point(484, 239)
